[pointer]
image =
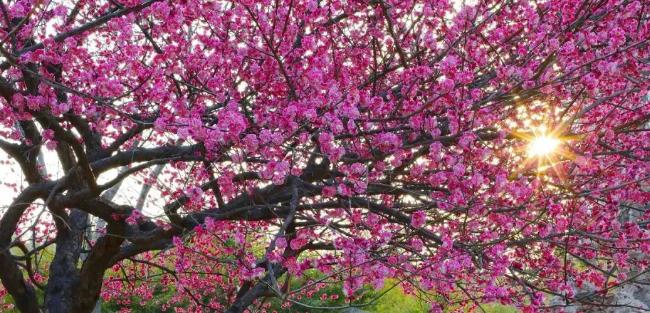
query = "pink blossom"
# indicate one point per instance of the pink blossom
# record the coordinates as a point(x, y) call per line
point(418, 219)
point(388, 142)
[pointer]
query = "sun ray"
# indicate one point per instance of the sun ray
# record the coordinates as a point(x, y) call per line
point(543, 145)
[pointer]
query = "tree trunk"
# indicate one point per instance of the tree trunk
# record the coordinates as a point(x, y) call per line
point(64, 275)
point(247, 297)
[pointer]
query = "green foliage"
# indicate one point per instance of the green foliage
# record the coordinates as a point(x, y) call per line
point(499, 308)
point(313, 303)
point(395, 300)
point(389, 299)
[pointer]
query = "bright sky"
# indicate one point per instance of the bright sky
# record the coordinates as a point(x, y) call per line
point(12, 177)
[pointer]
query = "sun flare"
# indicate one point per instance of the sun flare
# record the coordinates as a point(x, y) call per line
point(542, 146)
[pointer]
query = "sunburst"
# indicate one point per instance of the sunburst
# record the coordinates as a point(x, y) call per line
point(543, 145)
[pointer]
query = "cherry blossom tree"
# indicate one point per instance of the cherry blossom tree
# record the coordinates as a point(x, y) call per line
point(468, 152)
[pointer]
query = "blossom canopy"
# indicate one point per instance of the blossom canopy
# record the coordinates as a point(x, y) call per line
point(493, 151)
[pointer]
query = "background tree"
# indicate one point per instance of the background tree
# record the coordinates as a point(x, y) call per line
point(475, 152)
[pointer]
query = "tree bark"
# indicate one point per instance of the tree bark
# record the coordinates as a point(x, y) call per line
point(11, 276)
point(247, 298)
point(64, 275)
